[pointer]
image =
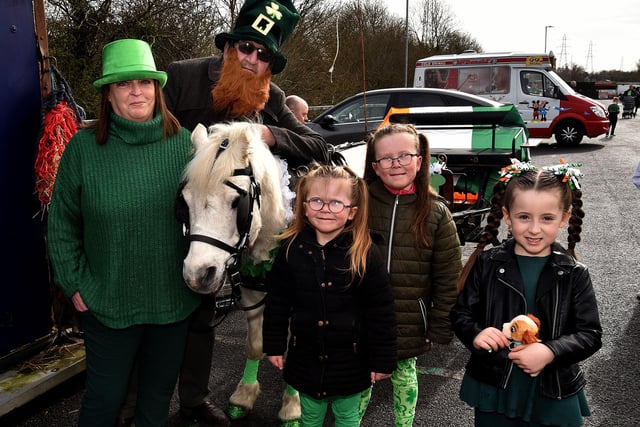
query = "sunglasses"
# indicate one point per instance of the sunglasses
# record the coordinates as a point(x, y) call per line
point(247, 48)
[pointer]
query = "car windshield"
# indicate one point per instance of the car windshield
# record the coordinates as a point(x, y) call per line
point(355, 111)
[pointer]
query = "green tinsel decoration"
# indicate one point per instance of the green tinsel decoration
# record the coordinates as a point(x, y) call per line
point(258, 271)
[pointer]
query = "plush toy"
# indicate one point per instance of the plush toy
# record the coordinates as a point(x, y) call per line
point(522, 329)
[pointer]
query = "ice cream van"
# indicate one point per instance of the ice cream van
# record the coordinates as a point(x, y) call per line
point(547, 104)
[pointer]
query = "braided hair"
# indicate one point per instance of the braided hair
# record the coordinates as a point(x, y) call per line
point(544, 179)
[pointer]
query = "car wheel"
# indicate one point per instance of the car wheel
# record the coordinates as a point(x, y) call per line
point(569, 132)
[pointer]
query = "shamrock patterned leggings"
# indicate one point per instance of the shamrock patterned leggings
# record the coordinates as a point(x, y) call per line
point(405, 393)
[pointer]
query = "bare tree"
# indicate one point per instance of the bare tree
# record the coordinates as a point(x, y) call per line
point(339, 47)
point(435, 24)
point(78, 29)
point(438, 29)
point(343, 48)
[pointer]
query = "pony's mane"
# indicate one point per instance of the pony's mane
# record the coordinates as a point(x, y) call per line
point(204, 171)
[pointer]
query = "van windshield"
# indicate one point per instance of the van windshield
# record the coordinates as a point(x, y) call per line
point(566, 88)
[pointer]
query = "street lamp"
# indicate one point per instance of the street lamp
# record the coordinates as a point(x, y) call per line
point(406, 45)
point(546, 27)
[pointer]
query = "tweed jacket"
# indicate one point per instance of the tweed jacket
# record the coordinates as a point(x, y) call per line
point(340, 330)
point(565, 304)
point(420, 277)
point(189, 86)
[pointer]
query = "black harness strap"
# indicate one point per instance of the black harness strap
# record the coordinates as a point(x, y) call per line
point(210, 240)
point(244, 220)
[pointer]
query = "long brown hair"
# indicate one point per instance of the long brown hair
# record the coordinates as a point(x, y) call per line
point(503, 196)
point(170, 124)
point(357, 226)
point(425, 194)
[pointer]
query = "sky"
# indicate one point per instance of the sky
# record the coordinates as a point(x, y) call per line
point(602, 37)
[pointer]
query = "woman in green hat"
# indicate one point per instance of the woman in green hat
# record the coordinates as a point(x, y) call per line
point(114, 243)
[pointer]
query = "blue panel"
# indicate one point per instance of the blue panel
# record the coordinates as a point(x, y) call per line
point(25, 301)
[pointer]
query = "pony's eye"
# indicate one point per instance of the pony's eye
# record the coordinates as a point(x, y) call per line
point(235, 202)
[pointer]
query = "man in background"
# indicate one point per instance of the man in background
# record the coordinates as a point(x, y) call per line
point(298, 107)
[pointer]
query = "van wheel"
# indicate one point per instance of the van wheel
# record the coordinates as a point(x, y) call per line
point(569, 133)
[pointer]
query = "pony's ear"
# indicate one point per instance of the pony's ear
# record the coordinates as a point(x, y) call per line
point(247, 134)
point(199, 136)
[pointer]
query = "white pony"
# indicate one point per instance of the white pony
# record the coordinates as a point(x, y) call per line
point(236, 194)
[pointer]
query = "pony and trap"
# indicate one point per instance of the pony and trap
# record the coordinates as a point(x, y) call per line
point(235, 199)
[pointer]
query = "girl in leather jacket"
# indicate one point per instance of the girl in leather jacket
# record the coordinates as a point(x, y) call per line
point(539, 383)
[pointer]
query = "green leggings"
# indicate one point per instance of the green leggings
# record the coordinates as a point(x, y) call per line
point(405, 393)
point(344, 408)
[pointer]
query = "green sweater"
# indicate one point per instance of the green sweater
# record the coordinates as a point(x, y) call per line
point(112, 233)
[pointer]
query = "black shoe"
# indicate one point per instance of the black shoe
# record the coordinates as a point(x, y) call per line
point(206, 414)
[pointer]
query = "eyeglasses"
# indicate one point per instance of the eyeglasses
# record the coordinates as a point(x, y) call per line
point(402, 159)
point(264, 55)
point(335, 206)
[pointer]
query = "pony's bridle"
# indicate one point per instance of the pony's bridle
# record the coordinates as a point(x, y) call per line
point(244, 205)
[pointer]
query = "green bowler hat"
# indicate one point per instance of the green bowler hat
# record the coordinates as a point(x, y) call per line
point(128, 59)
point(268, 22)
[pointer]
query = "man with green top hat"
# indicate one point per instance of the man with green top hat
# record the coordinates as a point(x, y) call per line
point(237, 86)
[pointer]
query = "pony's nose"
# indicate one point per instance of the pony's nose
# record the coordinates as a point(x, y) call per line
point(209, 277)
point(203, 281)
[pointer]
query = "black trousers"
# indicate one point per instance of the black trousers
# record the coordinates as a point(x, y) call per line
point(111, 358)
point(613, 121)
point(193, 384)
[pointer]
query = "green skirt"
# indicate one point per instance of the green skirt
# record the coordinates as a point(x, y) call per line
point(521, 400)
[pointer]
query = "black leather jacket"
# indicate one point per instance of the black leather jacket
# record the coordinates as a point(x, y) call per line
point(565, 304)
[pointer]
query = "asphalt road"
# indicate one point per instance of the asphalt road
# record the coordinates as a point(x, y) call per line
point(609, 247)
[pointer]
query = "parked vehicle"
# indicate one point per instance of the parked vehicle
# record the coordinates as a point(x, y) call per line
point(354, 118)
point(36, 352)
point(548, 105)
point(468, 148)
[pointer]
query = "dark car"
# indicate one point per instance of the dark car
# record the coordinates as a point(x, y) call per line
point(349, 121)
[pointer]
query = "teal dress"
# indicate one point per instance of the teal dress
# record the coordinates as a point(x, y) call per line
point(520, 401)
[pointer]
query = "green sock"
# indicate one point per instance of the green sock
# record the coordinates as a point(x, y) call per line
point(250, 375)
point(290, 391)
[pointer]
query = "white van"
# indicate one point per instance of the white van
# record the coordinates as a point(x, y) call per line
point(547, 104)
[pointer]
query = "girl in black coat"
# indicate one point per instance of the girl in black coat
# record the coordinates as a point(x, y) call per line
point(329, 288)
point(539, 383)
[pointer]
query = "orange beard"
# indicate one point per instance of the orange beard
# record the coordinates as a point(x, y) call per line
point(239, 92)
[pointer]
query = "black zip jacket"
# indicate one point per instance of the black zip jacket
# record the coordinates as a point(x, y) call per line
point(565, 304)
point(340, 330)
